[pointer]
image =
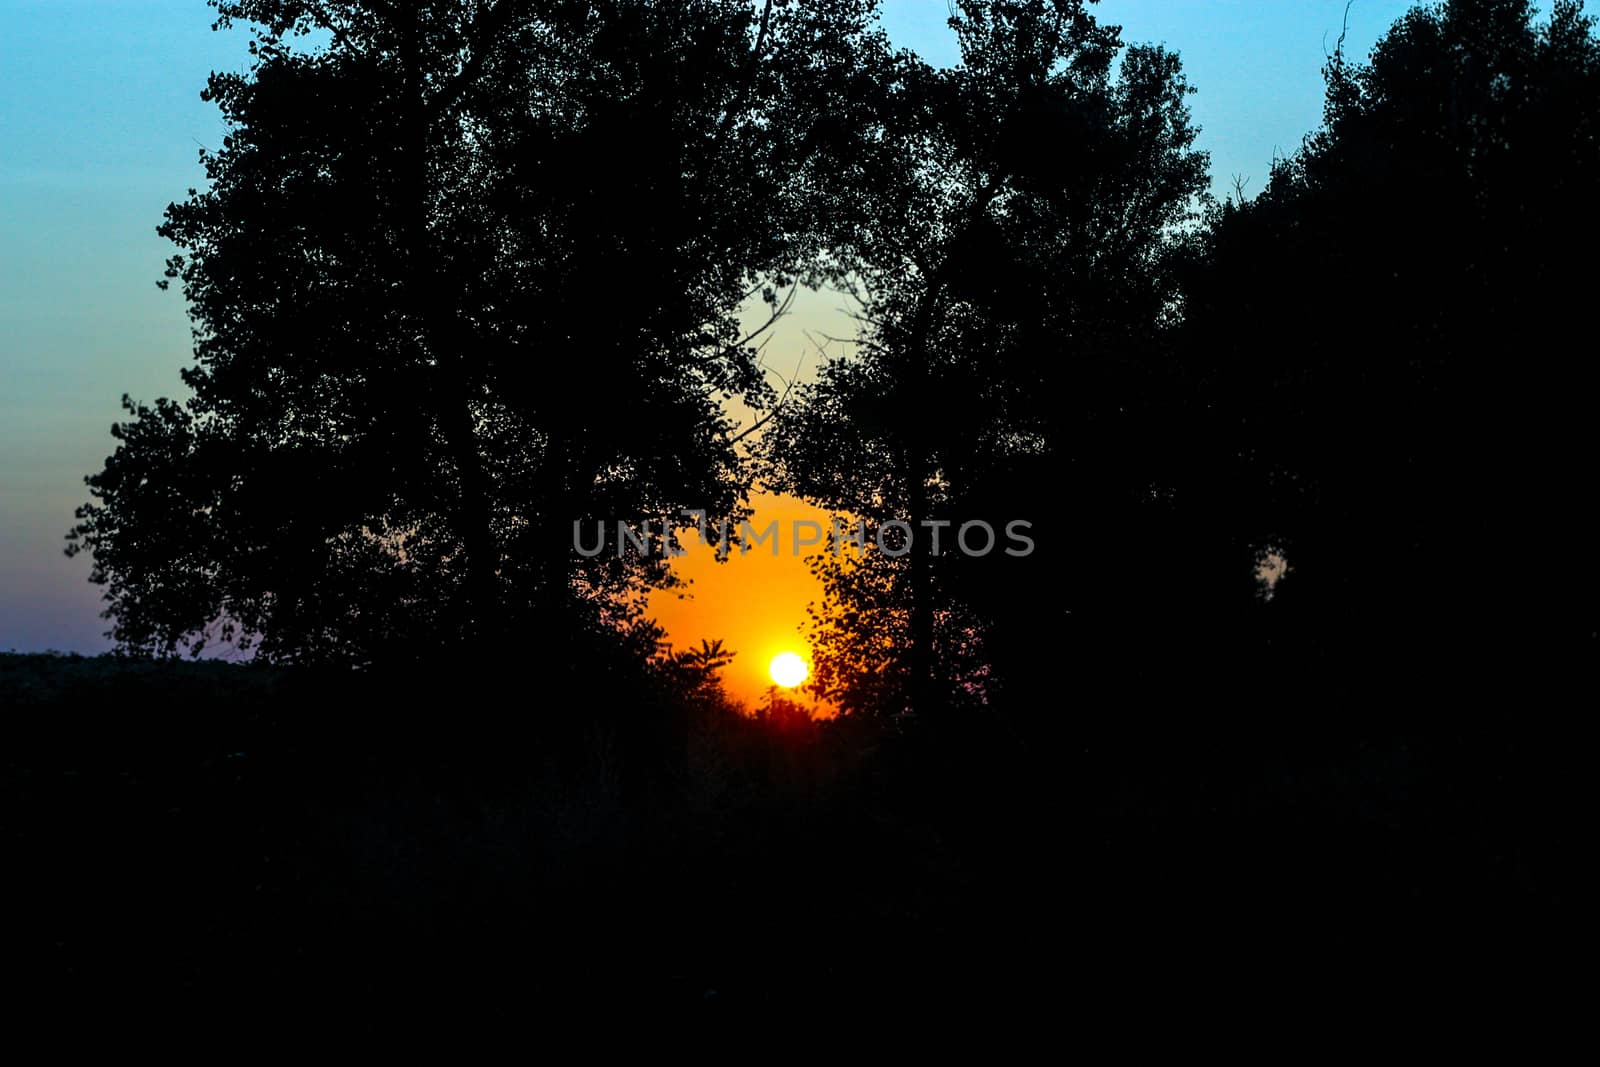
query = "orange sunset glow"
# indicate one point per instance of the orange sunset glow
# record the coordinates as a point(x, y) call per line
point(754, 602)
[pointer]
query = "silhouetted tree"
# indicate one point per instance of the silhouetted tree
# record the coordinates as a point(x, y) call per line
point(696, 671)
point(1011, 263)
point(1390, 341)
point(465, 273)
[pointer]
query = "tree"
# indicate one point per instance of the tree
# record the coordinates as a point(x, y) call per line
point(465, 274)
point(1390, 338)
point(1012, 272)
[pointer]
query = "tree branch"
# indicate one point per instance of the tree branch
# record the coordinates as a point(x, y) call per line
point(742, 99)
point(485, 28)
point(788, 387)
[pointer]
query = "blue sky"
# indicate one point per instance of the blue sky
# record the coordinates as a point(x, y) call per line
point(100, 127)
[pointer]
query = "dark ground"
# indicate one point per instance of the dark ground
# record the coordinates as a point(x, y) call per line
point(176, 831)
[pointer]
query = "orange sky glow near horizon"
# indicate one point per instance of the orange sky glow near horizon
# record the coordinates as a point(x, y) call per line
point(753, 602)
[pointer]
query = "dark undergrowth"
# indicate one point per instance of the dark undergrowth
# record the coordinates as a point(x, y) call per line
point(179, 830)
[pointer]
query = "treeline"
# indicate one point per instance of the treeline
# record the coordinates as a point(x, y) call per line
point(468, 275)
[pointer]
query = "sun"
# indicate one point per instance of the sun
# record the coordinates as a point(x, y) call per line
point(788, 669)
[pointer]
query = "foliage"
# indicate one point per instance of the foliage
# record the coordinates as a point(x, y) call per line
point(469, 272)
point(464, 274)
point(1385, 340)
point(1012, 265)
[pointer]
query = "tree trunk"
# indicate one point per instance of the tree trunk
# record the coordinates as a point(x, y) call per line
point(919, 581)
point(441, 338)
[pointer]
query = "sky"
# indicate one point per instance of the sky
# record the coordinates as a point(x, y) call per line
point(100, 128)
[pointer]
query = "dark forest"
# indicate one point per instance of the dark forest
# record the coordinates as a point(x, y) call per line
point(1277, 714)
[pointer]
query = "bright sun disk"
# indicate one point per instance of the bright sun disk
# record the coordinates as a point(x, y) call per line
point(788, 669)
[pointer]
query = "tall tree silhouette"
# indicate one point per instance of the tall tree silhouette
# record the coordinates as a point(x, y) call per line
point(1392, 341)
point(1011, 266)
point(465, 273)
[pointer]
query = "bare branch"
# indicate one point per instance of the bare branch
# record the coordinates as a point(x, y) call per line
point(788, 387)
point(781, 310)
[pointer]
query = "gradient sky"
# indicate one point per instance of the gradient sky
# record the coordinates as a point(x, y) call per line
point(100, 126)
